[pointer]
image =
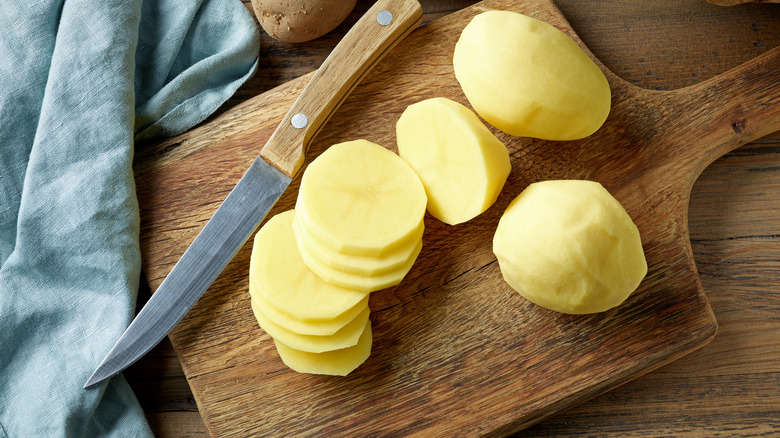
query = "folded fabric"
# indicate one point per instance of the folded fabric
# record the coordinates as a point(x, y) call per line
point(80, 81)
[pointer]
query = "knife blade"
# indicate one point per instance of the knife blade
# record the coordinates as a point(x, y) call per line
point(245, 207)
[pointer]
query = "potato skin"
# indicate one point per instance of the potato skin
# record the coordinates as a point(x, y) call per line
point(297, 21)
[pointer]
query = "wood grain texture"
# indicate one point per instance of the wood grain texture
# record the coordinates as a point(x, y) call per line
point(728, 388)
point(739, 2)
point(358, 51)
point(768, 346)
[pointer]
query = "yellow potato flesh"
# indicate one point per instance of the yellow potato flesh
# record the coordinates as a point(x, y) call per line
point(527, 78)
point(285, 281)
point(569, 246)
point(360, 198)
point(359, 265)
point(359, 282)
point(334, 363)
point(462, 165)
point(295, 325)
point(346, 336)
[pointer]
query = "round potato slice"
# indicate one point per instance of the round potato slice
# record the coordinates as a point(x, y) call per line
point(345, 337)
point(333, 363)
point(358, 265)
point(295, 325)
point(282, 276)
point(359, 282)
point(569, 246)
point(360, 198)
point(462, 165)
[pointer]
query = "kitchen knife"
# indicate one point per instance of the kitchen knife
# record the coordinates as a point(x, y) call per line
point(374, 34)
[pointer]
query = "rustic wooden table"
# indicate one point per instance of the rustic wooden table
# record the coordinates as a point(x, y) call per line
point(731, 387)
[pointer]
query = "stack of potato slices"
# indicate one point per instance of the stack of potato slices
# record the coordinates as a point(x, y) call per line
point(357, 228)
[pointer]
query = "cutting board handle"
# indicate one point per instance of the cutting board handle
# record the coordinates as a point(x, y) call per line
point(374, 34)
point(727, 111)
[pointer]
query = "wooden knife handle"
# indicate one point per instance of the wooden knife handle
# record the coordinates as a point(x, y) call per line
point(374, 34)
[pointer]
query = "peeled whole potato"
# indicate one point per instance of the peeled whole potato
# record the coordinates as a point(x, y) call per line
point(296, 21)
point(569, 246)
point(529, 79)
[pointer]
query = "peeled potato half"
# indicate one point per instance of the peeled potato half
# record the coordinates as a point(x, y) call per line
point(462, 165)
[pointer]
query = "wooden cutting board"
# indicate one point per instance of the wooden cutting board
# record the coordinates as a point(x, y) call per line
point(456, 352)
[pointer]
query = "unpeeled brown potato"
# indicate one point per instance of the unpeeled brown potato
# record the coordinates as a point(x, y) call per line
point(297, 21)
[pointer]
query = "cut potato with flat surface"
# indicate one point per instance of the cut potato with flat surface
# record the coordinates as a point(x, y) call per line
point(358, 265)
point(529, 79)
point(295, 325)
point(569, 246)
point(360, 198)
point(287, 283)
point(334, 363)
point(347, 336)
point(462, 165)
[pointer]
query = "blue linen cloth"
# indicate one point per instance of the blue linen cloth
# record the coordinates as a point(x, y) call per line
point(80, 82)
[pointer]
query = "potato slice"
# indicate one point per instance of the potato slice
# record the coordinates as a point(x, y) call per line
point(295, 325)
point(358, 265)
point(527, 78)
point(359, 282)
point(345, 337)
point(360, 198)
point(569, 246)
point(333, 363)
point(277, 268)
point(462, 165)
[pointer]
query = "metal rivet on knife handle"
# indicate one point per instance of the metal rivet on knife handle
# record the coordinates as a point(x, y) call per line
point(363, 46)
point(299, 120)
point(384, 18)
